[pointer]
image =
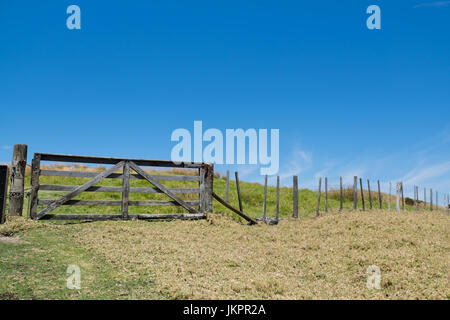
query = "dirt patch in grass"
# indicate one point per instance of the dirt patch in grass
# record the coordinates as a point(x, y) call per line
point(11, 240)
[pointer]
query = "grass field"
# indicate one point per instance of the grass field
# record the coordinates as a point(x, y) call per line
point(222, 258)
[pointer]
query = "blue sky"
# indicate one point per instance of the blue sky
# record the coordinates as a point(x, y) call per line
point(347, 100)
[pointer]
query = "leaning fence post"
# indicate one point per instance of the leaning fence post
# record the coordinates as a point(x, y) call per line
point(295, 196)
point(370, 194)
point(355, 191)
point(340, 198)
point(227, 186)
point(16, 190)
point(379, 195)
point(326, 194)
point(318, 197)
point(362, 194)
point(397, 202)
point(238, 191)
point(4, 176)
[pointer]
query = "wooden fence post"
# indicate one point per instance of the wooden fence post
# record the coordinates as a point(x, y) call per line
point(4, 178)
point(278, 198)
point(35, 172)
point(390, 198)
point(355, 191)
point(403, 198)
point(16, 190)
point(424, 198)
point(318, 197)
point(362, 194)
point(295, 196)
point(415, 198)
point(431, 199)
point(379, 195)
point(227, 186)
point(437, 201)
point(265, 198)
point(326, 194)
point(340, 198)
point(370, 194)
point(238, 191)
point(206, 187)
point(397, 202)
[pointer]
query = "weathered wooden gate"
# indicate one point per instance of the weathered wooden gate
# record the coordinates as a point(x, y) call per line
point(120, 169)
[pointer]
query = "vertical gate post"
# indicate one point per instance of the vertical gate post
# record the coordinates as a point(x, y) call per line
point(397, 202)
point(206, 187)
point(35, 172)
point(4, 177)
point(16, 192)
point(340, 196)
point(126, 189)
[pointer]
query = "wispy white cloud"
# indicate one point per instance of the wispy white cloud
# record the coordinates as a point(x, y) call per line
point(435, 4)
point(5, 147)
point(423, 174)
point(299, 161)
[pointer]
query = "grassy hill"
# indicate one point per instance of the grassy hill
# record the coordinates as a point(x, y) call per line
point(221, 258)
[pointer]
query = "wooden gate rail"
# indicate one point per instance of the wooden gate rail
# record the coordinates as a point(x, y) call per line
point(204, 178)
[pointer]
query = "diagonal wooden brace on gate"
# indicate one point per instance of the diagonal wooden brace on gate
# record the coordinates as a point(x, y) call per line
point(55, 204)
point(161, 188)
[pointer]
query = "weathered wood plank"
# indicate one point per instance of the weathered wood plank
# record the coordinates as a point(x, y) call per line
point(126, 189)
point(355, 192)
point(326, 194)
point(101, 217)
point(81, 174)
point(102, 160)
point(341, 207)
point(54, 187)
point(370, 194)
point(35, 171)
point(4, 177)
point(117, 202)
point(240, 213)
point(79, 190)
point(16, 189)
point(159, 186)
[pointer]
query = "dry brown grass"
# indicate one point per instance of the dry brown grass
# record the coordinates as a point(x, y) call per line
point(324, 258)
